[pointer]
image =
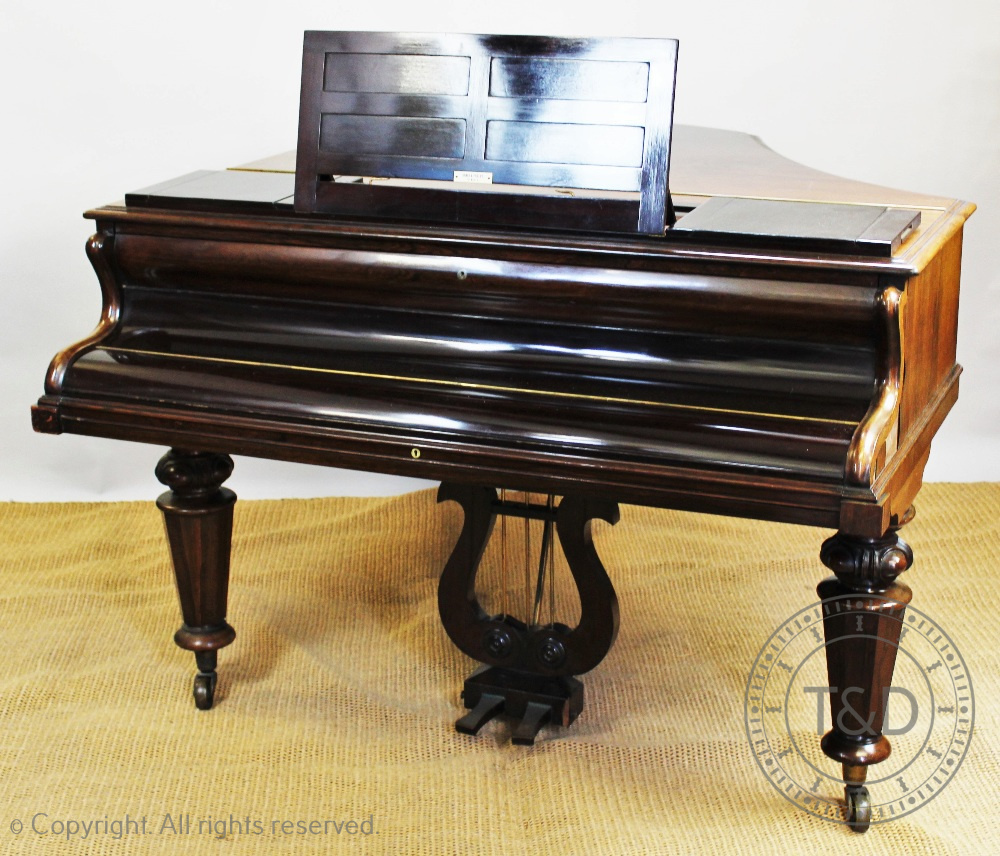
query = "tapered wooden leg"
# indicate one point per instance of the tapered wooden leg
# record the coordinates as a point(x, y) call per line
point(198, 515)
point(862, 617)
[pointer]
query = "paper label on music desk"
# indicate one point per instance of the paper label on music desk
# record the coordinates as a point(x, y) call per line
point(474, 177)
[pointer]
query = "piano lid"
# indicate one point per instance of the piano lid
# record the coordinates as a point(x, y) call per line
point(706, 163)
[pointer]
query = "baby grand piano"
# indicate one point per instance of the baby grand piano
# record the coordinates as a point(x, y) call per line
point(766, 341)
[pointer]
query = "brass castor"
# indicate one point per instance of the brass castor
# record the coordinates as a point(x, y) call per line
point(204, 690)
point(859, 807)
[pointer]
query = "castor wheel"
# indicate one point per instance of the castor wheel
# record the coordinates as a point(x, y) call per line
point(204, 690)
point(859, 807)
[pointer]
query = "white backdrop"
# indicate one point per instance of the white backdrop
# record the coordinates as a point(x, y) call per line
point(99, 99)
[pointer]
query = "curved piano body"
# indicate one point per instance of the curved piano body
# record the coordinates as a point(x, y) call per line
point(789, 385)
point(795, 384)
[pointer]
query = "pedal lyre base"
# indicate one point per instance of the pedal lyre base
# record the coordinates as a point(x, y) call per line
point(534, 700)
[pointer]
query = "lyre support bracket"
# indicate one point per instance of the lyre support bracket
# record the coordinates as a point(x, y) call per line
point(529, 667)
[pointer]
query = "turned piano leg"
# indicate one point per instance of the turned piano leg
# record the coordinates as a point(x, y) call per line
point(198, 516)
point(862, 618)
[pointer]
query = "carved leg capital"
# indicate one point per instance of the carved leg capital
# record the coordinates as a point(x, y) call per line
point(866, 564)
point(193, 476)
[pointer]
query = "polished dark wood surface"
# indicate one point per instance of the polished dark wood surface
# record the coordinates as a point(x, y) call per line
point(535, 111)
point(762, 384)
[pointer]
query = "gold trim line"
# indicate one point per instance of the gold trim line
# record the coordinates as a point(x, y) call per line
point(488, 387)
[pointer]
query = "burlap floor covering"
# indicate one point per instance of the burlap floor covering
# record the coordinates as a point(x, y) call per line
point(337, 700)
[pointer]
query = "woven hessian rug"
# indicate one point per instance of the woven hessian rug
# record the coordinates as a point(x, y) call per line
point(337, 701)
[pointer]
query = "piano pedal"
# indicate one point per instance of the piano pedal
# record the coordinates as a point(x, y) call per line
point(487, 708)
point(533, 700)
point(535, 716)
